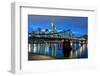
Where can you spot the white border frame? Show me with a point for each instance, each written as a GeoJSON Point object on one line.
{"type": "Point", "coordinates": [16, 38]}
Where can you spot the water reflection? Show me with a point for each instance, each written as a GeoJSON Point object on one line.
{"type": "Point", "coordinates": [55, 49]}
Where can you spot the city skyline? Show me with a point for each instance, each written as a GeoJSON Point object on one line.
{"type": "Point", "coordinates": [57, 37]}
{"type": "Point", "coordinates": [77, 25]}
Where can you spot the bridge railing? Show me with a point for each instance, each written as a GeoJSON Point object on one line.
{"type": "Point", "coordinates": [54, 35]}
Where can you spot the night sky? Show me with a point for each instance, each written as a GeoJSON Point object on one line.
{"type": "Point", "coordinates": [78, 25]}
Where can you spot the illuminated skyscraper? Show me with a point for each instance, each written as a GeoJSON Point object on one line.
{"type": "Point", "coordinates": [53, 27]}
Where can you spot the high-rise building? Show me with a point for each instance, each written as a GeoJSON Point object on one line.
{"type": "Point", "coordinates": [53, 27]}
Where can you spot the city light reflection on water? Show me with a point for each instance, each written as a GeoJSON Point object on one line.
{"type": "Point", "coordinates": [55, 50]}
